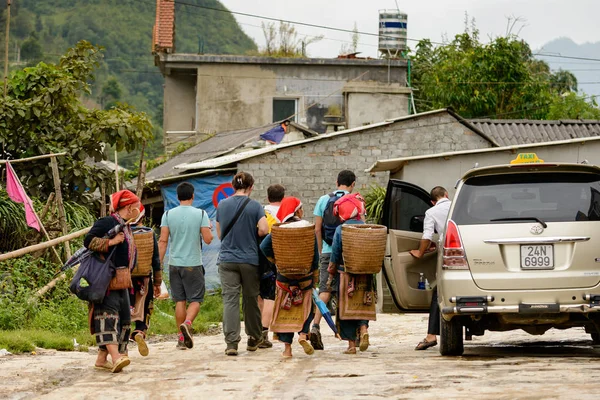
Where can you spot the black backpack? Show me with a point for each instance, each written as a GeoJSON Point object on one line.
{"type": "Point", "coordinates": [330, 221]}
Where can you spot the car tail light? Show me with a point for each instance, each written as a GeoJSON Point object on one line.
{"type": "Point", "coordinates": [453, 252]}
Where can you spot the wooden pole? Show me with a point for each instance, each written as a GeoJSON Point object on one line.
{"type": "Point", "coordinates": [47, 206]}
{"type": "Point", "coordinates": [59, 203]}
{"type": "Point", "coordinates": [52, 283]}
{"type": "Point", "coordinates": [142, 173]}
{"type": "Point", "coordinates": [44, 245]}
{"type": "Point", "coordinates": [6, 37]}
{"type": "Point", "coordinates": [116, 172]}
{"type": "Point", "coordinates": [103, 202]}
{"type": "Point", "coordinates": [47, 237]}
{"type": "Point", "coordinates": [32, 158]}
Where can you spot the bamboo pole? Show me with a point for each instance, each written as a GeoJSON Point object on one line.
{"type": "Point", "coordinates": [52, 283]}
{"type": "Point", "coordinates": [141, 180]}
{"type": "Point", "coordinates": [43, 245]}
{"type": "Point", "coordinates": [47, 206]}
{"type": "Point", "coordinates": [103, 201]}
{"type": "Point", "coordinates": [141, 173]}
{"type": "Point", "coordinates": [59, 202]}
{"type": "Point", "coordinates": [32, 158]}
{"type": "Point", "coordinates": [6, 37]}
{"type": "Point", "coordinates": [116, 172]}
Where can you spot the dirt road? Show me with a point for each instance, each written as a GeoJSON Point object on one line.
{"type": "Point", "coordinates": [558, 365]}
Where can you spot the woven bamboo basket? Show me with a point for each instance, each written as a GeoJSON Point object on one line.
{"type": "Point", "coordinates": [294, 249]}
{"type": "Point", "coordinates": [363, 248]}
{"type": "Point", "coordinates": [144, 242]}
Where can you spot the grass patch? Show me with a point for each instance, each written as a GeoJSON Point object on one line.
{"type": "Point", "coordinates": [52, 322]}
{"type": "Point", "coordinates": [26, 340]}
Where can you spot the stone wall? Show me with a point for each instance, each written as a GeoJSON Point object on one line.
{"type": "Point", "coordinates": [310, 170]}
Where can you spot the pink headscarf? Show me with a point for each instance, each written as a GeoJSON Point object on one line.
{"type": "Point", "coordinates": [350, 206]}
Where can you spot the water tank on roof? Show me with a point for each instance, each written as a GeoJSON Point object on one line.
{"type": "Point", "coordinates": [392, 32]}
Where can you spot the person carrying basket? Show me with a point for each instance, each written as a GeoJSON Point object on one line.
{"type": "Point", "coordinates": [356, 291]}
{"type": "Point", "coordinates": [292, 246]}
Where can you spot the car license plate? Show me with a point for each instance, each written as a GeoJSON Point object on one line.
{"type": "Point", "coordinates": [534, 256]}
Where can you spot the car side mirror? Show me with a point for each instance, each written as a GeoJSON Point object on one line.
{"type": "Point", "coordinates": [416, 223]}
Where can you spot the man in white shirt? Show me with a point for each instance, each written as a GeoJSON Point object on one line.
{"type": "Point", "coordinates": [435, 221]}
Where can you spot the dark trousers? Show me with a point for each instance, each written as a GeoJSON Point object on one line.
{"type": "Point", "coordinates": [236, 277]}
{"type": "Point", "coordinates": [433, 327]}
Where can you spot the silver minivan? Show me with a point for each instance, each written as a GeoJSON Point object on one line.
{"type": "Point", "coordinates": [521, 251]}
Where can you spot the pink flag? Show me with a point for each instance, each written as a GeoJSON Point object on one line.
{"type": "Point", "coordinates": [17, 193]}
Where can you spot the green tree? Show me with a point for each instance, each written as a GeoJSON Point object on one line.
{"type": "Point", "coordinates": [499, 79]}
{"type": "Point", "coordinates": [111, 93]}
{"type": "Point", "coordinates": [43, 113]}
{"type": "Point", "coordinates": [31, 49]}
{"type": "Point", "coordinates": [563, 81]}
{"type": "Point", "coordinates": [573, 106]}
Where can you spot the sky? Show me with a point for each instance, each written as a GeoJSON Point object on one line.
{"type": "Point", "coordinates": [542, 20]}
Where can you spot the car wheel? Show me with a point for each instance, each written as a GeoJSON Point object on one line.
{"type": "Point", "coordinates": [596, 338]}
{"type": "Point", "coordinates": [451, 337]}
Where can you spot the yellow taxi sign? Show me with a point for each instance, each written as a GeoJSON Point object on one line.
{"type": "Point", "coordinates": [527, 158]}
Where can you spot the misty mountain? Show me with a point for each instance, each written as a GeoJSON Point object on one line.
{"type": "Point", "coordinates": [586, 71]}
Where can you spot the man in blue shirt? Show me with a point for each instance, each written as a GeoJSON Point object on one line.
{"type": "Point", "coordinates": [185, 227]}
{"type": "Point", "coordinates": [325, 225]}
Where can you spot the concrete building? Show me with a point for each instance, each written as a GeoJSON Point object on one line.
{"type": "Point", "coordinates": [215, 93]}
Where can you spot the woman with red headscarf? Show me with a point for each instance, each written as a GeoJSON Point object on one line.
{"type": "Point", "coordinates": [111, 320]}
{"type": "Point", "coordinates": [292, 292]}
{"type": "Point", "coordinates": [350, 209]}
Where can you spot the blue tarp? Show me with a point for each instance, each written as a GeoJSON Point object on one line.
{"type": "Point", "coordinates": [274, 135]}
{"type": "Point", "coordinates": [208, 190]}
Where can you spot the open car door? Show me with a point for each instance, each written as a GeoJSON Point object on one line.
{"type": "Point", "coordinates": [403, 214]}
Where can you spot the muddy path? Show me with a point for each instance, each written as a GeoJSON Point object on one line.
{"type": "Point", "coordinates": [508, 365]}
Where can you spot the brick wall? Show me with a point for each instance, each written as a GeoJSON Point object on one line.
{"type": "Point", "coordinates": [310, 170]}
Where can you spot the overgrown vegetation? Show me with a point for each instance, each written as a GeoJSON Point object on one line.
{"type": "Point", "coordinates": [15, 233]}
{"type": "Point", "coordinates": [283, 41]}
{"type": "Point", "coordinates": [57, 318]}
{"type": "Point", "coordinates": [374, 200]}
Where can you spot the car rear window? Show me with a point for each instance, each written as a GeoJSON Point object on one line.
{"type": "Point", "coordinates": [551, 197]}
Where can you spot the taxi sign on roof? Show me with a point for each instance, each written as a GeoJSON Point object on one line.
{"type": "Point", "coordinates": [527, 158]}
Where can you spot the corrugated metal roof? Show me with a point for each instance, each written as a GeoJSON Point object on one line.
{"type": "Point", "coordinates": [217, 145]}
{"type": "Point", "coordinates": [520, 131]}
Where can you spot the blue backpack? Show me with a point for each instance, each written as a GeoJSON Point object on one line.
{"type": "Point", "coordinates": [330, 221]}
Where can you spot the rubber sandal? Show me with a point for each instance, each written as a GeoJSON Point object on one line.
{"type": "Point", "coordinates": [350, 351]}
{"type": "Point", "coordinates": [308, 348]}
{"type": "Point", "coordinates": [424, 344]}
{"type": "Point", "coordinates": [106, 366]}
{"type": "Point", "coordinates": [364, 342]}
{"type": "Point", "coordinates": [120, 364]}
{"type": "Point", "coordinates": [141, 343]}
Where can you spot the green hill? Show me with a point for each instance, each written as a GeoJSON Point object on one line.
{"type": "Point", "coordinates": [43, 30]}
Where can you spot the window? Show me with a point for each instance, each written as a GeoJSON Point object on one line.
{"type": "Point", "coordinates": [284, 109]}
{"type": "Point", "coordinates": [552, 197]}
{"type": "Point", "coordinates": [405, 208]}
